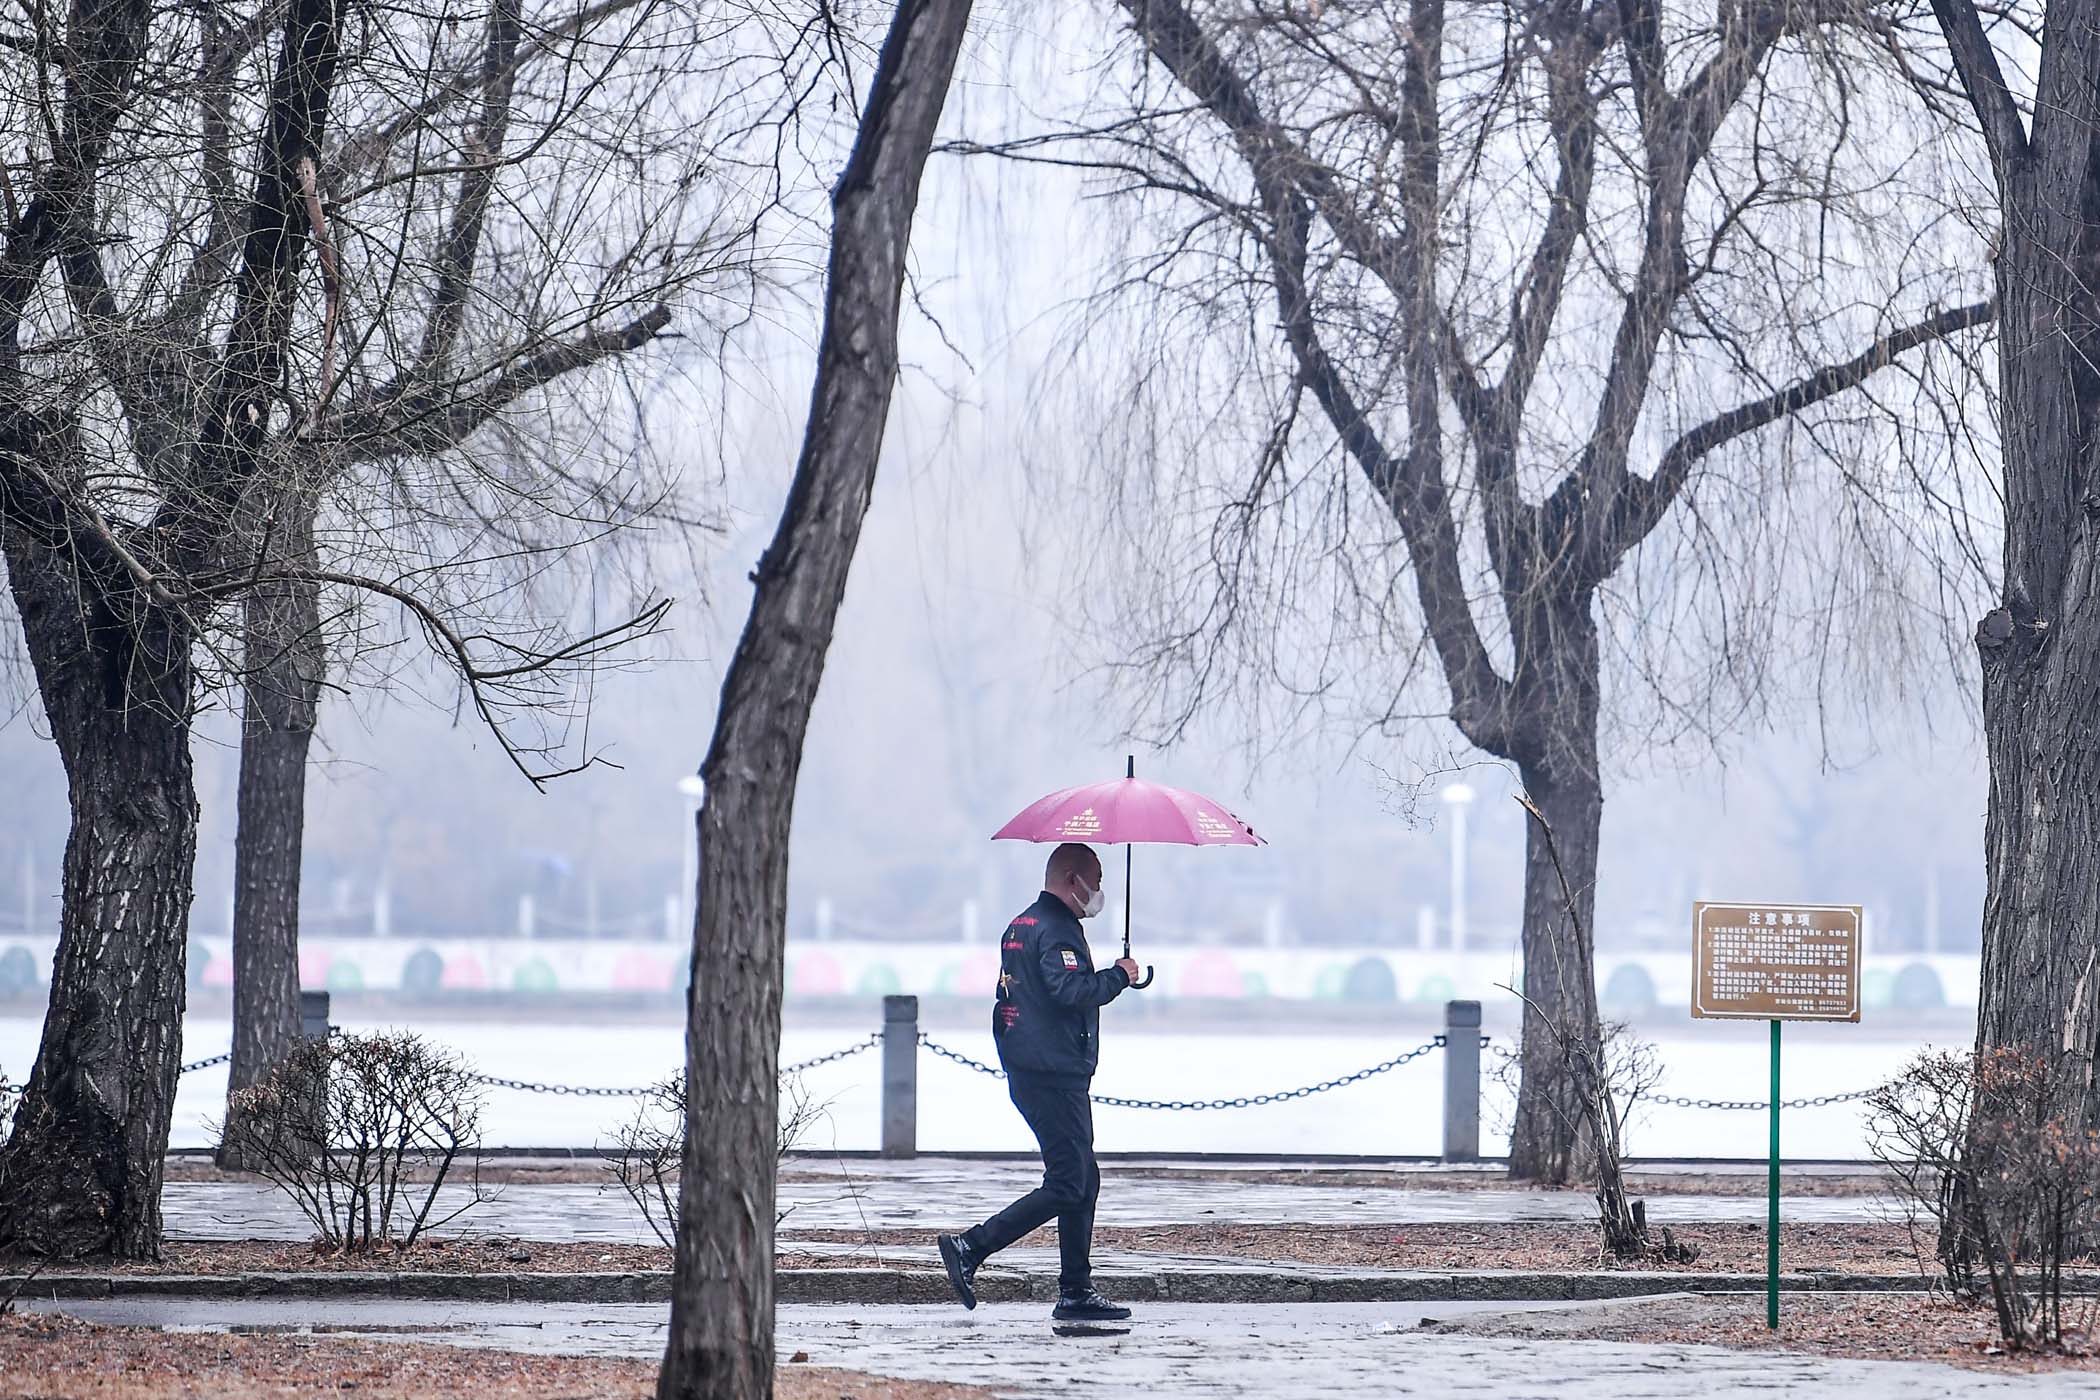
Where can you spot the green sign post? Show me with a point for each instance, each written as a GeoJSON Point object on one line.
{"type": "Point", "coordinates": [1772, 1201]}
{"type": "Point", "coordinates": [1777, 963]}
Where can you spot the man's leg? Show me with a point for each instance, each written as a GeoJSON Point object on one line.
{"type": "Point", "coordinates": [1075, 1223]}
{"type": "Point", "coordinates": [1065, 1166]}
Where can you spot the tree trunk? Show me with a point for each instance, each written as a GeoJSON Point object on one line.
{"type": "Point", "coordinates": [81, 1172]}
{"type": "Point", "coordinates": [721, 1337]}
{"type": "Point", "coordinates": [2040, 648]}
{"type": "Point", "coordinates": [284, 660]}
{"type": "Point", "coordinates": [1557, 707]}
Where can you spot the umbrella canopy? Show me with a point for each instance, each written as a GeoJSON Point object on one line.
{"type": "Point", "coordinates": [1129, 810]}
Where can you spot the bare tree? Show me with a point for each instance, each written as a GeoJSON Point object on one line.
{"type": "Point", "coordinates": [195, 413]}
{"type": "Point", "coordinates": [1475, 300]}
{"type": "Point", "coordinates": [2032, 74]}
{"type": "Point", "coordinates": [491, 328]}
{"type": "Point", "coordinates": [721, 1334]}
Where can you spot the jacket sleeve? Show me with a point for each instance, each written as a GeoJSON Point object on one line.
{"type": "Point", "coordinates": [1071, 986]}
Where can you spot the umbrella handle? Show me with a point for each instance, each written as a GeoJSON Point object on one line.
{"type": "Point", "coordinates": [1143, 982]}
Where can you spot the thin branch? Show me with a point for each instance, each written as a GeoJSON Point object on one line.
{"type": "Point", "coordinates": [2004, 133]}
{"type": "Point", "coordinates": [1649, 500]}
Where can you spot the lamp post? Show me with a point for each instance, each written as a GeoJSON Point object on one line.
{"type": "Point", "coordinates": [1458, 797]}
{"type": "Point", "coordinates": [694, 789]}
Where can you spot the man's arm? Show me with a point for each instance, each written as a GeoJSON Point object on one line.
{"type": "Point", "coordinates": [1069, 983]}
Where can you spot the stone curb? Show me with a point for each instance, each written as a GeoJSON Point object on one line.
{"type": "Point", "coordinates": [879, 1286]}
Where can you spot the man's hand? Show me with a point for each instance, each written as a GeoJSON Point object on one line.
{"type": "Point", "coordinates": [1130, 969]}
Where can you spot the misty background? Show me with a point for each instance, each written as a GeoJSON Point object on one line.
{"type": "Point", "coordinates": [972, 671]}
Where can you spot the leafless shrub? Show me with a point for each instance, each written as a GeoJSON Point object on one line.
{"type": "Point", "coordinates": [341, 1126]}
{"type": "Point", "coordinates": [1917, 1124]}
{"type": "Point", "coordinates": [1992, 1149]}
{"type": "Point", "coordinates": [647, 1149]}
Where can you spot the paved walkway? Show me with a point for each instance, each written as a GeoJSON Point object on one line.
{"type": "Point", "coordinates": [1212, 1353]}
{"type": "Point", "coordinates": [934, 1192]}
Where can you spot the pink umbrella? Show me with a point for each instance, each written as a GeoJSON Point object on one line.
{"type": "Point", "coordinates": [1125, 813]}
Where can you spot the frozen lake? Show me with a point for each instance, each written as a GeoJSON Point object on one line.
{"type": "Point", "coordinates": [1394, 1113]}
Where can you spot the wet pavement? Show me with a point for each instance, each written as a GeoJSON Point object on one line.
{"type": "Point", "coordinates": [1213, 1352]}
{"type": "Point", "coordinates": [931, 1192]}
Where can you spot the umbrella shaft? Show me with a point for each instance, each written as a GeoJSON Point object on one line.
{"type": "Point", "coordinates": [1127, 851]}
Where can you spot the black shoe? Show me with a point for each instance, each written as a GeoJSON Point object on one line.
{"type": "Point", "coordinates": [955, 1256]}
{"type": "Point", "coordinates": [1087, 1307]}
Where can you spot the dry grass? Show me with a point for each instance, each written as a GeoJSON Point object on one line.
{"type": "Point", "coordinates": [1867, 1248]}
{"type": "Point", "coordinates": [48, 1357]}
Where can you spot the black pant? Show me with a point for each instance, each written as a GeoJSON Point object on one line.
{"type": "Point", "coordinates": [1061, 1115]}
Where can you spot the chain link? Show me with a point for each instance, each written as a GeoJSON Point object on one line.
{"type": "Point", "coordinates": [581, 1091]}
{"type": "Point", "coordinates": [1755, 1105]}
{"type": "Point", "coordinates": [1196, 1105]}
{"type": "Point", "coordinates": [533, 1086]}
{"type": "Point", "coordinates": [1732, 1105]}
{"type": "Point", "coordinates": [869, 1044]}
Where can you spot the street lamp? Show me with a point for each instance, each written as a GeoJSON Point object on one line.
{"type": "Point", "coordinates": [694, 789]}
{"type": "Point", "coordinates": [1458, 797]}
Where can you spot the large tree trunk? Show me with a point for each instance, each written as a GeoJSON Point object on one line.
{"type": "Point", "coordinates": [81, 1172]}
{"type": "Point", "coordinates": [1558, 690]}
{"type": "Point", "coordinates": [721, 1336]}
{"type": "Point", "coordinates": [284, 660]}
{"type": "Point", "coordinates": [2041, 647]}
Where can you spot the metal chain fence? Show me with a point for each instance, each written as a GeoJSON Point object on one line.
{"type": "Point", "coordinates": [869, 1044]}
{"type": "Point", "coordinates": [1733, 1105]}
{"type": "Point", "coordinates": [586, 1091]}
{"type": "Point", "coordinates": [1197, 1105]}
{"type": "Point", "coordinates": [533, 1086]}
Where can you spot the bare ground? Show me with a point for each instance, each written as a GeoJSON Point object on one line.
{"type": "Point", "coordinates": [49, 1357]}
{"type": "Point", "coordinates": [1875, 1326]}
{"type": "Point", "coordinates": [1865, 1180]}
{"type": "Point", "coordinates": [1870, 1248]}
{"type": "Point", "coordinates": [592, 1171]}
{"type": "Point", "coordinates": [1736, 1248]}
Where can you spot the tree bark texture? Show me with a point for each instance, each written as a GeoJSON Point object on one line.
{"type": "Point", "coordinates": [2040, 648]}
{"type": "Point", "coordinates": [720, 1345]}
{"type": "Point", "coordinates": [81, 1172]}
{"type": "Point", "coordinates": [285, 662]}
{"type": "Point", "coordinates": [1556, 700]}
{"type": "Point", "coordinates": [110, 622]}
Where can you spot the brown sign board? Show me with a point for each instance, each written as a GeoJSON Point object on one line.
{"type": "Point", "coordinates": [1775, 962]}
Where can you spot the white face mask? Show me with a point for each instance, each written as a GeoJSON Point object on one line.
{"type": "Point", "coordinates": [1094, 904]}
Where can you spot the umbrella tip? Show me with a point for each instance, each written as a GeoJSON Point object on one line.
{"type": "Point", "coordinates": [1130, 766]}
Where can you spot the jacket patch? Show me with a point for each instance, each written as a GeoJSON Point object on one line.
{"type": "Point", "coordinates": [1071, 958]}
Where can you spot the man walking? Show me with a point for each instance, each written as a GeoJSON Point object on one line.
{"type": "Point", "coordinates": [1046, 1021]}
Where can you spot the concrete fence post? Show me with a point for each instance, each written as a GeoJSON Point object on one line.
{"type": "Point", "coordinates": [313, 1015]}
{"type": "Point", "coordinates": [1461, 1081]}
{"type": "Point", "coordinates": [900, 1076]}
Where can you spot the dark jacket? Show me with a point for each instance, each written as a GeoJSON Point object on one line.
{"type": "Point", "coordinates": [1047, 1019]}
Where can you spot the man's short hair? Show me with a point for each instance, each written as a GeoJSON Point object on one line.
{"type": "Point", "coordinates": [1071, 858]}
